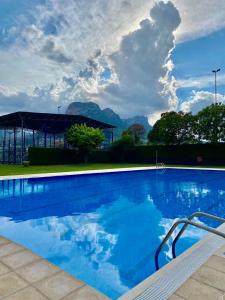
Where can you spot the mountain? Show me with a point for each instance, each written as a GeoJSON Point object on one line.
{"type": "Point", "coordinates": [107, 115]}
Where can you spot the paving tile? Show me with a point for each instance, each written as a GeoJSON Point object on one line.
{"type": "Point", "coordinates": [28, 293]}
{"type": "Point", "coordinates": [221, 252]}
{"type": "Point", "coordinates": [9, 249]}
{"type": "Point", "coordinates": [10, 283]}
{"type": "Point", "coordinates": [37, 271]}
{"type": "Point", "coordinates": [86, 293]}
{"type": "Point", "coordinates": [4, 241]}
{"type": "Point", "coordinates": [3, 269]}
{"type": "Point", "coordinates": [211, 277]}
{"type": "Point", "coordinates": [58, 286]}
{"type": "Point", "coordinates": [175, 297]}
{"type": "Point", "coordinates": [216, 262]}
{"type": "Point", "coordinates": [194, 290]}
{"type": "Point", "coordinates": [19, 259]}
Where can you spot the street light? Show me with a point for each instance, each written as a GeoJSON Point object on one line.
{"type": "Point", "coordinates": [215, 72]}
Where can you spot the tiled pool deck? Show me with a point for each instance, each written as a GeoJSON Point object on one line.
{"type": "Point", "coordinates": [26, 276]}
{"type": "Point", "coordinates": [207, 283]}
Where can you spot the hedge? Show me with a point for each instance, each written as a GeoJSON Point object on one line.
{"type": "Point", "coordinates": [199, 154]}
{"type": "Point", "coordinates": [52, 156]}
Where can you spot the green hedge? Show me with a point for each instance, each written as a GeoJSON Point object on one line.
{"type": "Point", "coordinates": [211, 154]}
{"type": "Point", "coordinates": [51, 156]}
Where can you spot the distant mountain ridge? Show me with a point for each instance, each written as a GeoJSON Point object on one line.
{"type": "Point", "coordinates": [107, 115]}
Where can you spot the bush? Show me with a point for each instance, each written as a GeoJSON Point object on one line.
{"type": "Point", "coordinates": [53, 156]}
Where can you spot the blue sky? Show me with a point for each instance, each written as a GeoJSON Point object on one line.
{"type": "Point", "coordinates": [138, 57]}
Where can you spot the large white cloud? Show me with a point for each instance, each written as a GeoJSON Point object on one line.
{"type": "Point", "coordinates": [143, 66]}
{"type": "Point", "coordinates": [199, 100]}
{"type": "Point", "coordinates": [50, 54]}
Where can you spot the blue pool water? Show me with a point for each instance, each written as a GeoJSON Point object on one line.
{"type": "Point", "coordinates": [105, 228]}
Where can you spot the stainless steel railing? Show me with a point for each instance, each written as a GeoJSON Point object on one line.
{"type": "Point", "coordinates": [187, 222]}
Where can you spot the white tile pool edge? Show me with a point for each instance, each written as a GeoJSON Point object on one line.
{"type": "Point", "coordinates": [56, 174]}
{"type": "Point", "coordinates": [114, 170]}
{"type": "Point", "coordinates": [164, 283]}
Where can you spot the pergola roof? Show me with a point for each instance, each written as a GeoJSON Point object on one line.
{"type": "Point", "coordinates": [46, 122]}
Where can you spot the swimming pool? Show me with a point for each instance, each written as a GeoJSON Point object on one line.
{"type": "Point", "coordinates": [104, 228]}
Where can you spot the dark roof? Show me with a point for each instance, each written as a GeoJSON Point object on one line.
{"type": "Point", "coordinates": [50, 123]}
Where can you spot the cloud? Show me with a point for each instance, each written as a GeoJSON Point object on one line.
{"type": "Point", "coordinates": [199, 100]}
{"type": "Point", "coordinates": [199, 18]}
{"type": "Point", "coordinates": [200, 82]}
{"type": "Point", "coordinates": [143, 64]}
{"type": "Point", "coordinates": [55, 44]}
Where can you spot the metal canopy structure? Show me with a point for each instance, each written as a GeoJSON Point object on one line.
{"type": "Point", "coordinates": [49, 123]}
{"type": "Point", "coordinates": [24, 129]}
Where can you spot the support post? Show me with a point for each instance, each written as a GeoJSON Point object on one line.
{"type": "Point", "coordinates": [14, 145]}
{"type": "Point", "coordinates": [22, 142]}
{"type": "Point", "coordinates": [9, 149]}
{"type": "Point", "coordinates": [45, 139]}
{"type": "Point", "coordinates": [33, 139]}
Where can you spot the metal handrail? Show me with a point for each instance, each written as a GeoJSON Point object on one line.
{"type": "Point", "coordinates": [188, 222]}
{"type": "Point", "coordinates": [196, 214]}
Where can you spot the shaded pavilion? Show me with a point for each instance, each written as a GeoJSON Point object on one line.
{"type": "Point", "coordinates": [20, 130]}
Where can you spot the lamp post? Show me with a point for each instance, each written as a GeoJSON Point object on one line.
{"type": "Point", "coordinates": [215, 73]}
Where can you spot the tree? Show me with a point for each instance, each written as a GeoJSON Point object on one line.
{"type": "Point", "coordinates": [210, 124]}
{"type": "Point", "coordinates": [137, 131]}
{"type": "Point", "coordinates": [85, 139]}
{"type": "Point", "coordinates": [122, 146]}
{"type": "Point", "coordinates": [173, 129]}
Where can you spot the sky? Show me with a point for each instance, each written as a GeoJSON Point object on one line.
{"type": "Point", "coordinates": [138, 57]}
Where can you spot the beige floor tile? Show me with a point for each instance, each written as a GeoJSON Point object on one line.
{"type": "Point", "coordinates": [58, 286]}
{"type": "Point", "coordinates": [9, 249]}
{"type": "Point", "coordinates": [216, 262]}
{"type": "Point", "coordinates": [3, 269]}
{"type": "Point", "coordinates": [86, 293]}
{"type": "Point", "coordinates": [19, 259]}
{"type": "Point", "coordinates": [175, 297]}
{"type": "Point", "coordinates": [211, 277]}
{"type": "Point", "coordinates": [28, 293]}
{"type": "Point", "coordinates": [37, 271]}
{"type": "Point", "coordinates": [194, 290]}
{"type": "Point", "coordinates": [4, 241]}
{"type": "Point", "coordinates": [10, 283]}
{"type": "Point", "coordinates": [221, 252]}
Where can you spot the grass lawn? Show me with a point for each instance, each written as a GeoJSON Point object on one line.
{"type": "Point", "coordinates": [19, 170]}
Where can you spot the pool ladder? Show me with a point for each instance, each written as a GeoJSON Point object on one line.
{"type": "Point", "coordinates": [187, 222]}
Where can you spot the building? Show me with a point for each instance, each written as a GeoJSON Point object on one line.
{"type": "Point", "coordinates": [21, 130]}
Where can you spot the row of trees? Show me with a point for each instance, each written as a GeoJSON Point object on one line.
{"type": "Point", "coordinates": [174, 128]}
{"type": "Point", "coordinates": [208, 126]}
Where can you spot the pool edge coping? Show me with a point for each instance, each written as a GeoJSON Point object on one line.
{"type": "Point", "coordinates": [102, 171]}
{"type": "Point", "coordinates": [74, 173]}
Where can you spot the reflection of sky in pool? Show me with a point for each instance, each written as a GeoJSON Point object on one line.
{"type": "Point", "coordinates": [105, 228]}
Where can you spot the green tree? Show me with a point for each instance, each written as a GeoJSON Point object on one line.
{"type": "Point", "coordinates": [173, 129]}
{"type": "Point", "coordinates": [210, 124]}
{"type": "Point", "coordinates": [137, 131]}
{"type": "Point", "coordinates": [122, 146]}
{"type": "Point", "coordinates": [85, 139]}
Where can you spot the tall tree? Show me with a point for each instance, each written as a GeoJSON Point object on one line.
{"type": "Point", "coordinates": [173, 129]}
{"type": "Point", "coordinates": [84, 138]}
{"type": "Point", "coordinates": [137, 131]}
{"type": "Point", "coordinates": [210, 124]}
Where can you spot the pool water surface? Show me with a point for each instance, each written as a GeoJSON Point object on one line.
{"type": "Point", "coordinates": [104, 228]}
